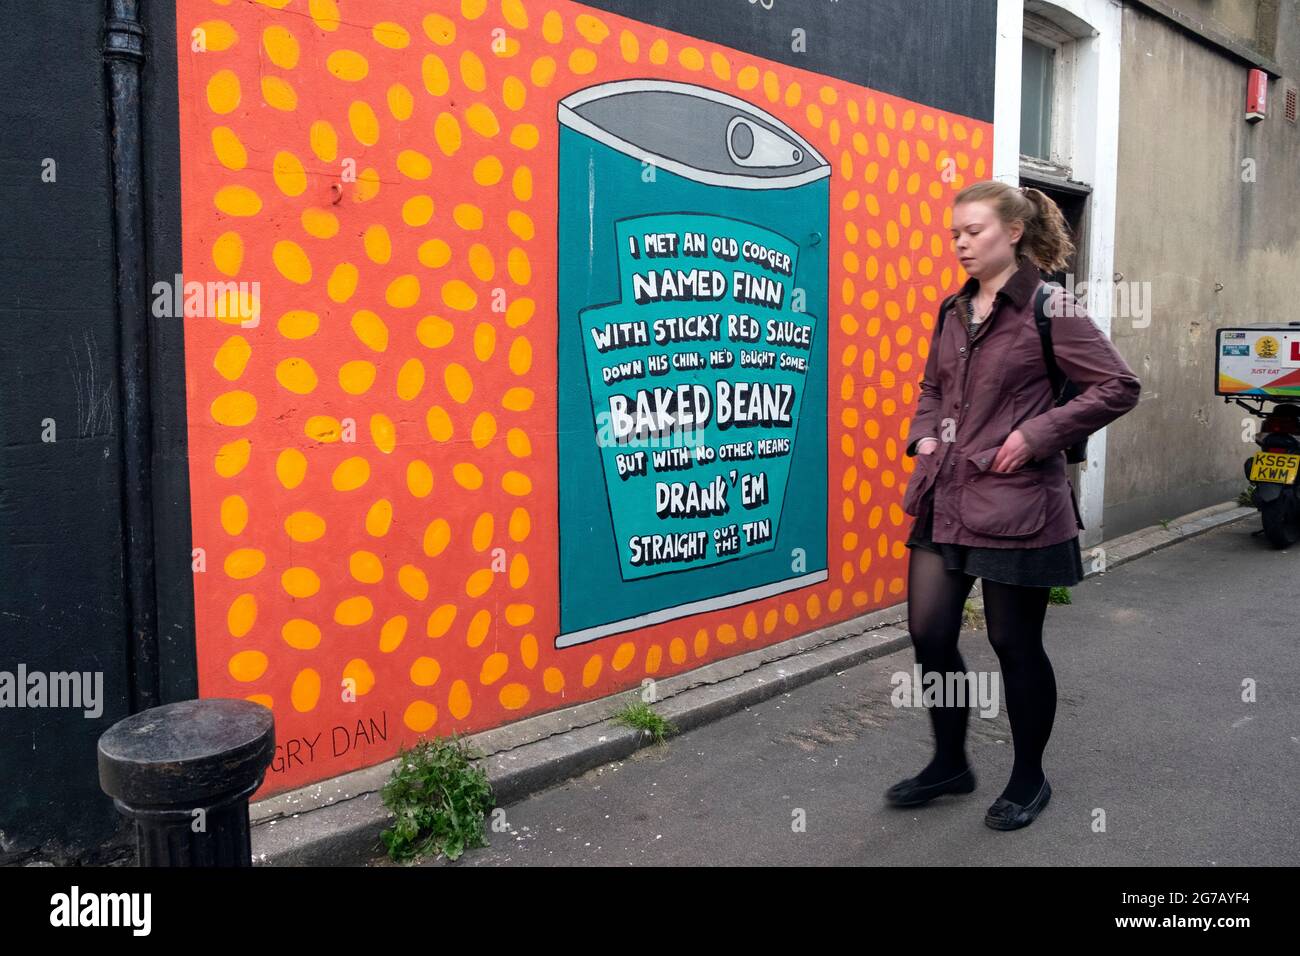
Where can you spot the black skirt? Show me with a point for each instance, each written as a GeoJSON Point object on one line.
{"type": "Point", "coordinates": [1056, 565]}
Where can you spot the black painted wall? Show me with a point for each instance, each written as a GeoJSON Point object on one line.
{"type": "Point", "coordinates": [937, 52]}
{"type": "Point", "coordinates": [62, 606]}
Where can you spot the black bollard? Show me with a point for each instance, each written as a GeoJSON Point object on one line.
{"type": "Point", "coordinates": [183, 773]}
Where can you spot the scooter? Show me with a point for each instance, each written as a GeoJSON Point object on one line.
{"type": "Point", "coordinates": [1274, 469]}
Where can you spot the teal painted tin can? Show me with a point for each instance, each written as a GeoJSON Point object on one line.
{"type": "Point", "coordinates": [692, 300]}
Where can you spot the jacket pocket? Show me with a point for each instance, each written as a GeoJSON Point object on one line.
{"type": "Point", "coordinates": [920, 482]}
{"type": "Point", "coordinates": [1003, 504]}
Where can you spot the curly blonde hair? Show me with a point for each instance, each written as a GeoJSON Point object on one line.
{"type": "Point", "coordinates": [1046, 239]}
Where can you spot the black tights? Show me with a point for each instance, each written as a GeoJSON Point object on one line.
{"type": "Point", "coordinates": [1014, 615]}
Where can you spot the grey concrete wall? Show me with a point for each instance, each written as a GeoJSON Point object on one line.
{"type": "Point", "coordinates": [1186, 224]}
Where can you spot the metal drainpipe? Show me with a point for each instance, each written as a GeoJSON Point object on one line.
{"type": "Point", "coordinates": [124, 59]}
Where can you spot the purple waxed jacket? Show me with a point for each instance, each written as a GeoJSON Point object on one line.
{"type": "Point", "coordinates": [976, 392]}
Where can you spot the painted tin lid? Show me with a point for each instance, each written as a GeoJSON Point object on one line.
{"type": "Point", "coordinates": [694, 132]}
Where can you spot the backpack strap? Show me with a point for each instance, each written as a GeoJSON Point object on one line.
{"type": "Point", "coordinates": [1054, 373]}
{"type": "Point", "coordinates": [943, 308]}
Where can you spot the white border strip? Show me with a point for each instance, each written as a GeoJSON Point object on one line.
{"type": "Point", "coordinates": [571, 119]}
{"type": "Point", "coordinates": [685, 610]}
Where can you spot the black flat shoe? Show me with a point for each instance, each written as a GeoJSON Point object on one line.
{"type": "Point", "coordinates": [911, 793]}
{"type": "Point", "coordinates": [1005, 815]}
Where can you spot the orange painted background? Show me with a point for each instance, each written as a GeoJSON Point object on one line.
{"type": "Point", "coordinates": [373, 463]}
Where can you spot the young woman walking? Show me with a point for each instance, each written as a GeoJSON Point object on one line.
{"type": "Point", "coordinates": [990, 492]}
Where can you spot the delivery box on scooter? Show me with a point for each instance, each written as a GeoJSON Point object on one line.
{"type": "Point", "coordinates": [1261, 361]}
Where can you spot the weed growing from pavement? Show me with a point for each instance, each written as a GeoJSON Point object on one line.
{"type": "Point", "coordinates": [639, 715]}
{"type": "Point", "coordinates": [439, 798]}
{"type": "Point", "coordinates": [1059, 596]}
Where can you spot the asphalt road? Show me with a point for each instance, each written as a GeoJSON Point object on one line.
{"type": "Point", "coordinates": [1152, 737]}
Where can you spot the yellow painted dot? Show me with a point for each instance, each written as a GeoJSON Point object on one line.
{"type": "Point", "coordinates": [582, 61]}
{"type": "Point", "coordinates": [459, 295]}
{"type": "Point", "coordinates": [514, 696]}
{"type": "Point", "coordinates": [392, 634]}
{"type": "Point", "coordinates": [370, 329]}
{"type": "Point", "coordinates": [234, 408]}
{"type": "Point", "coordinates": [518, 266]}
{"type": "Point", "coordinates": [366, 567]}
{"type": "Point", "coordinates": [440, 29]}
{"type": "Point", "coordinates": [244, 563]}
{"type": "Point", "coordinates": [324, 141]}
{"type": "Point", "coordinates": [467, 476]}
{"type": "Point", "coordinates": [518, 399]}
{"type": "Point", "coordinates": [401, 102]}
{"type": "Point", "coordinates": [494, 668]}
{"type": "Point", "coordinates": [281, 47]}
{"type": "Point", "coordinates": [482, 120]}
{"type": "Point", "coordinates": [305, 692]}
{"type": "Point", "coordinates": [659, 52]}
{"type": "Point", "coordinates": [300, 582]}
{"type": "Point", "coordinates": [440, 620]}
{"type": "Point", "coordinates": [522, 184]}
{"type": "Point", "coordinates": [436, 537]}
{"type": "Point", "coordinates": [483, 430]}
{"type": "Point", "coordinates": [223, 92]}
{"type": "Point", "coordinates": [446, 133]}
{"type": "Point", "coordinates": [434, 332]}
{"type": "Point", "coordinates": [413, 164]}
{"type": "Point", "coordinates": [417, 211]}
{"type": "Point", "coordinates": [481, 537]}
{"type": "Point", "coordinates": [351, 474]}
{"type": "Point", "coordinates": [296, 375]}
{"type": "Point", "coordinates": [434, 254]}
{"type": "Point", "coordinates": [520, 224]}
{"type": "Point", "coordinates": [518, 615]}
{"type": "Point", "coordinates": [410, 379]}
{"type": "Point", "coordinates": [488, 171]}
{"type": "Point", "coordinates": [542, 71]}
{"type": "Point", "coordinates": [518, 571]}
{"type": "Point", "coordinates": [242, 615]}
{"type": "Point", "coordinates": [348, 65]}
{"type": "Point", "coordinates": [518, 444]}
{"type": "Point", "coordinates": [291, 261]}
{"type": "Point", "coordinates": [232, 358]}
{"type": "Point", "coordinates": [382, 430]}
{"type": "Point", "coordinates": [300, 634]}
{"type": "Point", "coordinates": [479, 582]}
{"type": "Point", "coordinates": [516, 483]}
{"type": "Point", "coordinates": [230, 151]}
{"type": "Point", "coordinates": [353, 611]}
{"type": "Point", "coordinates": [392, 35]}
{"type": "Point", "coordinates": [403, 292]}
{"type": "Point", "coordinates": [342, 282]}
{"type": "Point", "coordinates": [553, 680]}
{"type": "Point", "coordinates": [279, 94]}
{"type": "Point", "coordinates": [234, 514]}
{"type": "Point", "coordinates": [378, 244]}
{"type": "Point", "coordinates": [468, 216]}
{"type": "Point", "coordinates": [478, 628]}
{"type": "Point", "coordinates": [691, 58]}
{"type": "Point", "coordinates": [521, 356]}
{"type": "Point", "coordinates": [472, 73]}
{"type": "Point", "coordinates": [513, 93]}
{"type": "Point", "coordinates": [520, 524]}
{"type": "Point", "coordinates": [434, 73]}
{"type": "Point", "coordinates": [459, 384]}
{"type": "Point", "coordinates": [413, 581]}
{"type": "Point", "coordinates": [291, 468]}
{"type": "Point", "coordinates": [439, 424]}
{"type": "Point", "coordinates": [304, 526]}
{"type": "Point", "coordinates": [233, 457]}
{"type": "Point", "coordinates": [419, 479]}
{"type": "Point", "coordinates": [363, 122]}
{"type": "Point", "coordinates": [459, 701]}
{"type": "Point", "coordinates": [359, 676]}
{"type": "Point", "coordinates": [519, 312]}
{"type": "Point", "coordinates": [323, 428]}
{"type": "Point", "coordinates": [238, 201]}
{"type": "Point", "coordinates": [248, 665]}
{"type": "Point", "coordinates": [628, 46]}
{"type": "Point", "coordinates": [379, 518]}
{"type": "Point", "coordinates": [420, 715]}
{"type": "Point", "coordinates": [425, 672]}
{"type": "Point", "coordinates": [319, 223]}
{"type": "Point", "coordinates": [591, 670]}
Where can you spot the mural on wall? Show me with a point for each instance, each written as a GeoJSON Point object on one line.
{"type": "Point", "coordinates": [686, 389]}
{"type": "Point", "coordinates": [579, 352]}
